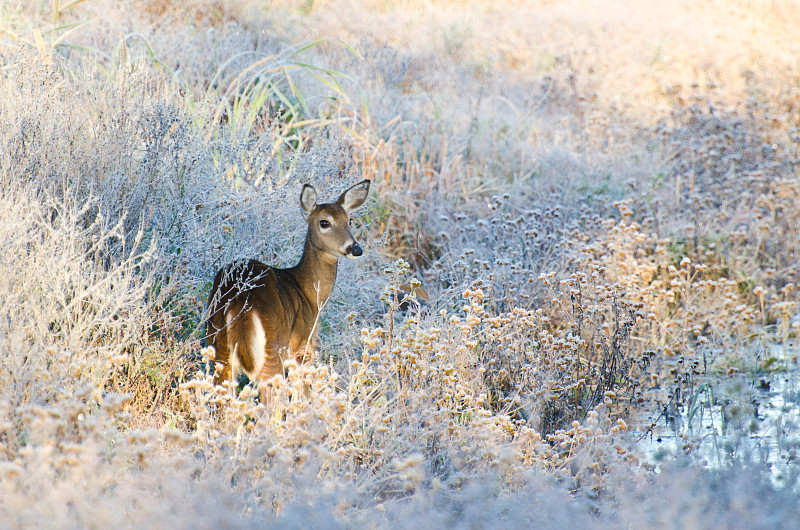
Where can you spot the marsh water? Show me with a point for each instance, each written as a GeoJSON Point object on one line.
{"type": "Point", "coordinates": [753, 419]}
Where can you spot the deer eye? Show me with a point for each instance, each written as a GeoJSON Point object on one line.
{"type": "Point", "coordinates": [324, 224]}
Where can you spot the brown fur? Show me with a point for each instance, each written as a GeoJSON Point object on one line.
{"type": "Point", "coordinates": [253, 304]}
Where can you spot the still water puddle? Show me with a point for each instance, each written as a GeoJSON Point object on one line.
{"type": "Point", "coordinates": [732, 420]}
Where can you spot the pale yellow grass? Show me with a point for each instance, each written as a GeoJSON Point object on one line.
{"type": "Point", "coordinates": [632, 52]}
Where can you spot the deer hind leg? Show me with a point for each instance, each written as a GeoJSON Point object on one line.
{"type": "Point", "coordinates": [306, 351]}
{"type": "Point", "coordinates": [272, 366]}
{"type": "Point", "coordinates": [218, 338]}
{"type": "Point", "coordinates": [257, 348]}
{"type": "Point", "coordinates": [246, 343]}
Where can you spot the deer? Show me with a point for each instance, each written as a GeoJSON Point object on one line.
{"type": "Point", "coordinates": [261, 316]}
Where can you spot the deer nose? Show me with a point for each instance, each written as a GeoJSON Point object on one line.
{"type": "Point", "coordinates": [355, 250]}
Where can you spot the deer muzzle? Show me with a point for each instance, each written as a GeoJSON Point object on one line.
{"type": "Point", "coordinates": [355, 250]}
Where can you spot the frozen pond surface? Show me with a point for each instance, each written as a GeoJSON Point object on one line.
{"type": "Point", "coordinates": [754, 419]}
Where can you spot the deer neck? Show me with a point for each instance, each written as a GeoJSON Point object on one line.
{"type": "Point", "coordinates": [315, 273]}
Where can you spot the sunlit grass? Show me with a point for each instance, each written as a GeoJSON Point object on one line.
{"type": "Point", "coordinates": [599, 203]}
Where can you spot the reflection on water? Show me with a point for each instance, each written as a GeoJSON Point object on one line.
{"type": "Point", "coordinates": [728, 420]}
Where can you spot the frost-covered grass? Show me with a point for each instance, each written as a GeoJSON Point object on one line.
{"type": "Point", "coordinates": [583, 216]}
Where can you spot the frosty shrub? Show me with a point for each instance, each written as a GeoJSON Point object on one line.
{"type": "Point", "coordinates": [583, 224]}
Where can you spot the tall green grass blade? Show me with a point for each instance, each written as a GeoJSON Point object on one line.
{"type": "Point", "coordinates": [70, 31]}
{"type": "Point", "coordinates": [331, 80]}
{"type": "Point", "coordinates": [151, 53]}
{"type": "Point", "coordinates": [693, 406]}
{"type": "Point", "coordinates": [295, 91]}
{"type": "Point", "coordinates": [87, 52]}
{"type": "Point", "coordinates": [323, 40]}
{"type": "Point", "coordinates": [55, 12]}
{"type": "Point", "coordinates": [63, 27]}
{"type": "Point", "coordinates": [14, 35]}
{"type": "Point", "coordinates": [40, 45]}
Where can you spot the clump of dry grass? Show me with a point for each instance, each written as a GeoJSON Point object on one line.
{"type": "Point", "coordinates": [73, 297]}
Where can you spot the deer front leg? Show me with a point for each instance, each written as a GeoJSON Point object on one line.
{"type": "Point", "coordinates": [273, 365]}
{"type": "Point", "coordinates": [306, 354]}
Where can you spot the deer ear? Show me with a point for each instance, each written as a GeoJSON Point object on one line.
{"type": "Point", "coordinates": [354, 196]}
{"type": "Point", "coordinates": [308, 199]}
